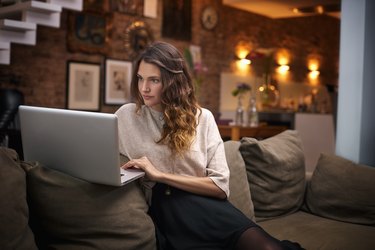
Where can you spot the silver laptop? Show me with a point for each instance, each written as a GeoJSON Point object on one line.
{"type": "Point", "coordinates": [79, 143]}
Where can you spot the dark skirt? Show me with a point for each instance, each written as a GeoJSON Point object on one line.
{"type": "Point", "coordinates": [187, 221]}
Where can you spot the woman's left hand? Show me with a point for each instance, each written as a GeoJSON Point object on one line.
{"type": "Point", "coordinates": [144, 163]}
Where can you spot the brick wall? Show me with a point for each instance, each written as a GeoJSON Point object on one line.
{"type": "Point", "coordinates": [42, 68]}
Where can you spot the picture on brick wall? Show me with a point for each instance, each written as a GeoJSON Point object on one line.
{"type": "Point", "coordinates": [117, 81]}
{"type": "Point", "coordinates": [131, 7]}
{"type": "Point", "coordinates": [88, 32]}
{"type": "Point", "coordinates": [177, 19]}
{"type": "Point", "coordinates": [83, 86]}
{"type": "Point", "coordinates": [100, 6]}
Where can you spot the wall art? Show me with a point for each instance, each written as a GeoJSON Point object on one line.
{"type": "Point", "coordinates": [117, 81]}
{"type": "Point", "coordinates": [83, 86]}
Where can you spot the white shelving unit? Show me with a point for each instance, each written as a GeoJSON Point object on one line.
{"type": "Point", "coordinates": [19, 21]}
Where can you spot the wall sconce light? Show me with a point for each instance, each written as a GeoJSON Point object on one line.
{"type": "Point", "coordinates": [245, 61]}
{"type": "Point", "coordinates": [242, 56]}
{"type": "Point", "coordinates": [283, 69]}
{"type": "Point", "coordinates": [313, 74]}
{"type": "Point", "coordinates": [282, 60]}
{"type": "Point", "coordinates": [313, 67]}
{"type": "Point", "coordinates": [242, 61]}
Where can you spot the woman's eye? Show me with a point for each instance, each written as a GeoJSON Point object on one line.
{"type": "Point", "coordinates": [155, 80]}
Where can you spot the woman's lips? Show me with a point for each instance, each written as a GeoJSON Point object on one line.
{"type": "Point", "coordinates": [147, 97]}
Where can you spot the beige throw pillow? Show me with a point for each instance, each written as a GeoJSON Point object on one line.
{"type": "Point", "coordinates": [76, 214]}
{"type": "Point", "coordinates": [342, 190]}
{"type": "Point", "coordinates": [276, 173]}
{"type": "Point", "coordinates": [239, 188]}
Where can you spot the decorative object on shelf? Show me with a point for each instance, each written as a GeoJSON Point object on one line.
{"type": "Point", "coordinates": [137, 37]}
{"type": "Point", "coordinates": [239, 92]}
{"type": "Point", "coordinates": [209, 17]}
{"type": "Point", "coordinates": [252, 113]}
{"type": "Point", "coordinates": [268, 94]}
{"type": "Point", "coordinates": [197, 68]}
{"type": "Point", "coordinates": [83, 86]}
{"type": "Point", "coordinates": [117, 81]}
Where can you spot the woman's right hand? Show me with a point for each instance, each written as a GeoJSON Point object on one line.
{"type": "Point", "coordinates": [144, 163]}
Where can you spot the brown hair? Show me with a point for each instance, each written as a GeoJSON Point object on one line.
{"type": "Point", "coordinates": [178, 100]}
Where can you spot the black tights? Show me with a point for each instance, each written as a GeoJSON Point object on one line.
{"type": "Point", "coordinates": [256, 238]}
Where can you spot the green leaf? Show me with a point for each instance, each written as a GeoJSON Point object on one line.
{"type": "Point", "coordinates": [188, 58]}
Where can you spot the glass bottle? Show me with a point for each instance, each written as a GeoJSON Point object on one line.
{"type": "Point", "coordinates": [253, 118]}
{"type": "Point", "coordinates": [269, 94]}
{"type": "Point", "coordinates": [239, 112]}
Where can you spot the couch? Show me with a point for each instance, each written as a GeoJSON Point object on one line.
{"type": "Point", "coordinates": [333, 209]}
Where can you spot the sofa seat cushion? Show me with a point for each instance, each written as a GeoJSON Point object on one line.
{"type": "Point", "coordinates": [276, 173]}
{"type": "Point", "coordinates": [75, 214]}
{"type": "Point", "coordinates": [342, 190]}
{"type": "Point", "coordinates": [239, 188]}
{"type": "Point", "coordinates": [15, 232]}
{"type": "Point", "coordinates": [314, 232]}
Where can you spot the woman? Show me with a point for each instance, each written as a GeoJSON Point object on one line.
{"type": "Point", "coordinates": [178, 145]}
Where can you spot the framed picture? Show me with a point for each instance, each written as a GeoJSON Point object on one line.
{"type": "Point", "coordinates": [83, 86]}
{"type": "Point", "coordinates": [177, 19]}
{"type": "Point", "coordinates": [88, 32]}
{"type": "Point", "coordinates": [99, 6]}
{"type": "Point", "coordinates": [117, 81]}
{"type": "Point", "coordinates": [131, 7]}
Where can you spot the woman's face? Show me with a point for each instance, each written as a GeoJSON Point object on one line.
{"type": "Point", "coordinates": [149, 85]}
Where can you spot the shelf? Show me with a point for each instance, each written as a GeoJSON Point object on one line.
{"type": "Point", "coordinates": [68, 4]}
{"type": "Point", "coordinates": [12, 31]}
{"type": "Point", "coordinates": [36, 6]}
{"type": "Point", "coordinates": [4, 46]}
{"type": "Point", "coordinates": [41, 13]}
{"type": "Point", "coordinates": [4, 53]}
{"type": "Point", "coordinates": [13, 25]}
{"type": "Point", "coordinates": [18, 21]}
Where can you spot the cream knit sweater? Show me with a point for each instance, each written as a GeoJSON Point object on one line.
{"type": "Point", "coordinates": [138, 133]}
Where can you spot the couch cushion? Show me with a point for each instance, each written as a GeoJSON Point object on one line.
{"type": "Point", "coordinates": [342, 190]}
{"type": "Point", "coordinates": [276, 173]}
{"type": "Point", "coordinates": [76, 214]}
{"type": "Point", "coordinates": [239, 188]}
{"type": "Point", "coordinates": [14, 217]}
{"type": "Point", "coordinates": [315, 232]}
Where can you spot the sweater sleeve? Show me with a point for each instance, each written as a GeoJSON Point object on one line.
{"type": "Point", "coordinates": [217, 167]}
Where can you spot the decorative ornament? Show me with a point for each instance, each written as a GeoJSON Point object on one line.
{"type": "Point", "coordinates": [137, 37]}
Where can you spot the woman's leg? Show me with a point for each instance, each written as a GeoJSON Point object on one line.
{"type": "Point", "coordinates": [257, 238]}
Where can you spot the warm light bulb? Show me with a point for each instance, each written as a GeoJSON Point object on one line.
{"type": "Point", "coordinates": [242, 53]}
{"type": "Point", "coordinates": [313, 64]}
{"type": "Point", "coordinates": [314, 74]}
{"type": "Point", "coordinates": [245, 61]}
{"type": "Point", "coordinates": [243, 65]}
{"type": "Point", "coordinates": [320, 9]}
{"type": "Point", "coordinates": [283, 69]}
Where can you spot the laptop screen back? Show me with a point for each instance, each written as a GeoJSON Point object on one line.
{"type": "Point", "coordinates": [79, 143]}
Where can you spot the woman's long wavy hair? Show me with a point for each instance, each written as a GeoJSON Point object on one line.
{"type": "Point", "coordinates": [178, 101]}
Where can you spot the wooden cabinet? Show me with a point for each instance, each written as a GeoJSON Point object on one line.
{"type": "Point", "coordinates": [232, 132]}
